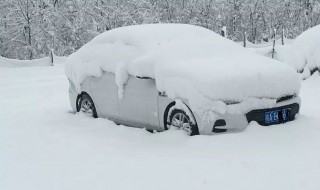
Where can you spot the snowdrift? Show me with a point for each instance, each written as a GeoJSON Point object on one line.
{"type": "Point", "coordinates": [46, 61]}
{"type": "Point", "coordinates": [186, 61]}
{"type": "Point", "coordinates": [305, 52]}
{"type": "Point", "coordinates": [281, 51]}
{"type": "Point", "coordinates": [269, 44]}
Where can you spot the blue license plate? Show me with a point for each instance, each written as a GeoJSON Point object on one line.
{"type": "Point", "coordinates": [276, 116]}
{"type": "Point", "coordinates": [285, 115]}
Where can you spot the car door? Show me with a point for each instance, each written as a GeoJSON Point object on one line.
{"type": "Point", "coordinates": [105, 94]}
{"type": "Point", "coordinates": [139, 105]}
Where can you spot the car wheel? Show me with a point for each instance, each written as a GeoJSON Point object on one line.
{"type": "Point", "coordinates": [86, 106]}
{"type": "Point", "coordinates": [179, 119]}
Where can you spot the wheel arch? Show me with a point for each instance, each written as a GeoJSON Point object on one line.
{"type": "Point", "coordinates": [79, 98]}
{"type": "Point", "coordinates": [78, 102]}
{"type": "Point", "coordinates": [166, 114]}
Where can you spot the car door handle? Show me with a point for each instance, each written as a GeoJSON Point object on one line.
{"type": "Point", "coordinates": [162, 94]}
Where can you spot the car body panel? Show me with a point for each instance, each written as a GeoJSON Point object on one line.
{"type": "Point", "coordinates": [236, 122]}
{"type": "Point", "coordinates": [139, 102]}
{"type": "Point", "coordinates": [105, 95]}
{"type": "Point", "coordinates": [73, 93]}
{"type": "Point", "coordinates": [163, 103]}
{"type": "Point", "coordinates": [143, 106]}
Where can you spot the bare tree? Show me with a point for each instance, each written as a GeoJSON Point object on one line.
{"type": "Point", "coordinates": [31, 28]}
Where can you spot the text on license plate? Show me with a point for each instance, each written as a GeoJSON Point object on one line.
{"type": "Point", "coordinates": [276, 116]}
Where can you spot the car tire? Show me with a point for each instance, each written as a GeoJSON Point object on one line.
{"type": "Point", "coordinates": [86, 105]}
{"type": "Point", "coordinates": [179, 119]}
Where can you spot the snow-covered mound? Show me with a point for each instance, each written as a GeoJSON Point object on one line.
{"type": "Point", "coordinates": [186, 61]}
{"type": "Point", "coordinates": [263, 44]}
{"type": "Point", "coordinates": [45, 147]}
{"type": "Point", "coordinates": [46, 61]}
{"type": "Point", "coordinates": [281, 52]}
{"type": "Point", "coordinates": [305, 51]}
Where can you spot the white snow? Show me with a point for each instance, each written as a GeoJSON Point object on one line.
{"type": "Point", "coordinates": [5, 62]}
{"type": "Point", "coordinates": [43, 146]}
{"type": "Point", "coordinates": [186, 61]}
{"type": "Point", "coordinates": [263, 44]}
{"type": "Point", "coordinates": [46, 61]}
{"type": "Point", "coordinates": [305, 51]}
{"type": "Point", "coordinates": [282, 52]}
{"type": "Point", "coordinates": [302, 53]}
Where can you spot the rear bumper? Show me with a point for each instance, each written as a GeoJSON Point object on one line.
{"type": "Point", "coordinates": [235, 123]}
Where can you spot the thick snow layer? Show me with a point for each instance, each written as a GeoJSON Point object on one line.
{"type": "Point", "coordinates": [281, 51]}
{"type": "Point", "coordinates": [305, 51]}
{"type": "Point", "coordinates": [45, 147]}
{"type": "Point", "coordinates": [267, 44]}
{"type": "Point", "coordinates": [186, 61]}
{"type": "Point", "coordinates": [46, 61]}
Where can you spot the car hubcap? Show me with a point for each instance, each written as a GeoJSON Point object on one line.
{"type": "Point", "coordinates": [86, 107]}
{"type": "Point", "coordinates": [181, 121]}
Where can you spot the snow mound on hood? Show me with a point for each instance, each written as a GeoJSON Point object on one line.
{"type": "Point", "coordinates": [305, 51]}
{"type": "Point", "coordinates": [186, 61]}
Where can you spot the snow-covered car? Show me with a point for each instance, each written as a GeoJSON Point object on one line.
{"type": "Point", "coordinates": [304, 53]}
{"type": "Point", "coordinates": [159, 76]}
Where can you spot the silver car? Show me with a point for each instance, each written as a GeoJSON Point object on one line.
{"type": "Point", "coordinates": [143, 106]}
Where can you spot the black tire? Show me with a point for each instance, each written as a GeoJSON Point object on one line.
{"type": "Point", "coordinates": [86, 105]}
{"type": "Point", "coordinates": [191, 129]}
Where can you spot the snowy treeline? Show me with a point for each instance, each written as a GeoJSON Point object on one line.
{"type": "Point", "coordinates": [30, 28]}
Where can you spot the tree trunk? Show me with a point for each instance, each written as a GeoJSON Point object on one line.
{"type": "Point", "coordinates": [274, 43]}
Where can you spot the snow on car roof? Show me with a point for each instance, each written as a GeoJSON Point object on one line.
{"type": "Point", "coordinates": [186, 61]}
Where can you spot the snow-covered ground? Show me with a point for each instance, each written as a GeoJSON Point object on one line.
{"type": "Point", "coordinates": [282, 52]}
{"type": "Point", "coordinates": [43, 146]}
{"type": "Point", "coordinates": [46, 61]}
